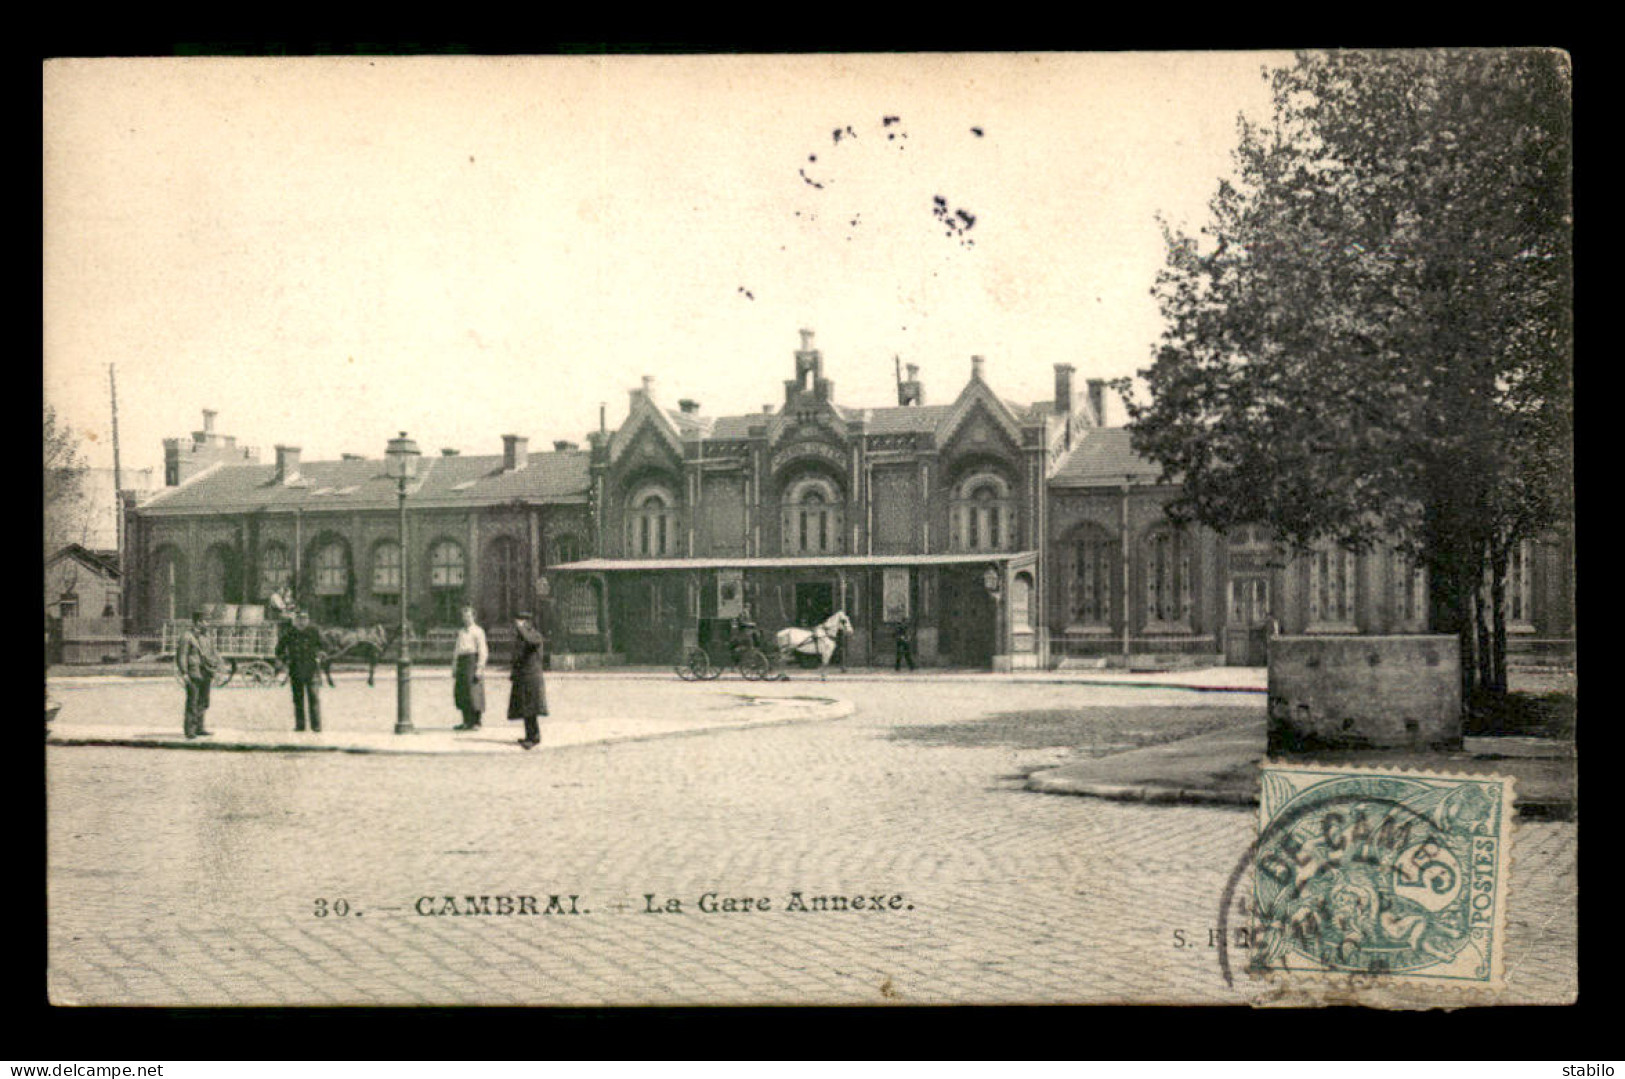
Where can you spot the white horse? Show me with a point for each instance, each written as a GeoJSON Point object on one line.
{"type": "Point", "coordinates": [821, 640]}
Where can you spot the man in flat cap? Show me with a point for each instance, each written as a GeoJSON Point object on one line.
{"type": "Point", "coordinates": [196, 660]}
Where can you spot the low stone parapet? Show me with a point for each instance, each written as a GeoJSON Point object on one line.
{"type": "Point", "coordinates": [1354, 692]}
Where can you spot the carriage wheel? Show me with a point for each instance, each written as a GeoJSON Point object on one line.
{"type": "Point", "coordinates": [259, 673]}
{"type": "Point", "coordinates": [697, 663]}
{"type": "Point", "coordinates": [753, 665]}
{"type": "Point", "coordinates": [703, 666]}
{"type": "Point", "coordinates": [685, 672]}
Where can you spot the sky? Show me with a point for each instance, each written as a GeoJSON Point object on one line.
{"type": "Point", "coordinates": [329, 251]}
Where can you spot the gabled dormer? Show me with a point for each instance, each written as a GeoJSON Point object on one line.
{"type": "Point", "coordinates": [979, 414]}
{"type": "Point", "coordinates": [648, 430]}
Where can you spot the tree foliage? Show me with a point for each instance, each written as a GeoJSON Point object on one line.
{"type": "Point", "coordinates": [64, 484]}
{"type": "Point", "coordinates": [1371, 337]}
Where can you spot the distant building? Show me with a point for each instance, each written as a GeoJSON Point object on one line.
{"type": "Point", "coordinates": [82, 583]}
{"type": "Point", "coordinates": [228, 530]}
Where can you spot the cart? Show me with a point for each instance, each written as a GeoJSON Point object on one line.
{"type": "Point", "coordinates": [249, 651]}
{"type": "Point", "coordinates": [744, 656]}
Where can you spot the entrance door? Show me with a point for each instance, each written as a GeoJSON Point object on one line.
{"type": "Point", "coordinates": [1246, 633]}
{"type": "Point", "coordinates": [815, 601]}
{"type": "Point", "coordinates": [968, 623]}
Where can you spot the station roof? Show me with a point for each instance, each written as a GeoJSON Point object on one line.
{"type": "Point", "coordinates": [553, 477]}
{"type": "Point", "coordinates": [1105, 458]}
{"type": "Point", "coordinates": [604, 565]}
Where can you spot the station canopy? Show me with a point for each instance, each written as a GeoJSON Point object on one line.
{"type": "Point", "coordinates": [606, 565]}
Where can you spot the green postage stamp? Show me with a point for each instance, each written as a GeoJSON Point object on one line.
{"type": "Point", "coordinates": [1382, 875]}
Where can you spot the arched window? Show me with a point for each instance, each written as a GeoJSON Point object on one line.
{"type": "Point", "coordinates": [1021, 603]}
{"type": "Point", "coordinates": [651, 524]}
{"type": "Point", "coordinates": [447, 572]}
{"type": "Point", "coordinates": [1167, 573]}
{"type": "Point", "coordinates": [221, 581]}
{"type": "Point", "coordinates": [1251, 556]}
{"type": "Point", "coordinates": [1092, 574]}
{"type": "Point", "coordinates": [168, 584]}
{"type": "Point", "coordinates": [1409, 584]}
{"type": "Point", "coordinates": [983, 515]}
{"type": "Point", "coordinates": [1333, 574]}
{"type": "Point", "coordinates": [814, 517]}
{"type": "Point", "coordinates": [1520, 608]}
{"type": "Point", "coordinates": [331, 583]}
{"type": "Point", "coordinates": [386, 573]}
{"type": "Point", "coordinates": [505, 581]}
{"type": "Point", "coordinates": [276, 569]}
{"type": "Point", "coordinates": [581, 608]}
{"type": "Point", "coordinates": [1519, 593]}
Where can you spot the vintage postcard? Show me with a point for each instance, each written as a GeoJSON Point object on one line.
{"type": "Point", "coordinates": [810, 529]}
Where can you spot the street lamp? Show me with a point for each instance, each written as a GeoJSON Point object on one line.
{"type": "Point", "coordinates": [402, 456]}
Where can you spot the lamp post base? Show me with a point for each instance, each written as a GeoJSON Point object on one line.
{"type": "Point", "coordinates": [403, 697]}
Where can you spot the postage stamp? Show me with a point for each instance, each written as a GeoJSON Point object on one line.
{"type": "Point", "coordinates": [1386, 875]}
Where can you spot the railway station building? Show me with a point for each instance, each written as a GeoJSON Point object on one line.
{"type": "Point", "coordinates": [1004, 535]}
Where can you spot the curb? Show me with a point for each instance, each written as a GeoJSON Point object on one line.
{"type": "Point", "coordinates": [1047, 783]}
{"type": "Point", "coordinates": [826, 708]}
{"type": "Point", "coordinates": [1041, 783]}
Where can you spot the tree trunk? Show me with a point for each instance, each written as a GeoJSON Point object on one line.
{"type": "Point", "coordinates": [1452, 604]}
{"type": "Point", "coordinates": [1497, 681]}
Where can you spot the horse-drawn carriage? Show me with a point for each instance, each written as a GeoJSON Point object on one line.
{"type": "Point", "coordinates": [755, 660]}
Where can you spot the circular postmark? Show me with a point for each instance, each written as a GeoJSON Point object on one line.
{"type": "Point", "coordinates": [1368, 876]}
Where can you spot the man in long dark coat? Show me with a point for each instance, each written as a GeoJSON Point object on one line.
{"type": "Point", "coordinates": [301, 651]}
{"type": "Point", "coordinates": [528, 698]}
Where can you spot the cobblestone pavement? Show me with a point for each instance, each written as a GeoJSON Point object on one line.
{"type": "Point", "coordinates": [182, 878]}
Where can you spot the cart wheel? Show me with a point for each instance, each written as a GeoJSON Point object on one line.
{"type": "Point", "coordinates": [259, 673]}
{"type": "Point", "coordinates": [697, 663]}
{"type": "Point", "coordinates": [753, 665]}
{"type": "Point", "coordinates": [685, 672]}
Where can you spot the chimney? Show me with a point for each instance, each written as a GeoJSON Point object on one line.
{"type": "Point", "coordinates": [447, 451]}
{"type": "Point", "coordinates": [977, 364]}
{"type": "Point", "coordinates": [564, 445]}
{"type": "Point", "coordinates": [806, 340]}
{"type": "Point", "coordinates": [287, 464]}
{"type": "Point", "coordinates": [1063, 388]}
{"type": "Point", "coordinates": [910, 392]}
{"type": "Point", "coordinates": [515, 452]}
{"type": "Point", "coordinates": [1097, 400]}
{"type": "Point", "coordinates": [208, 420]}
{"type": "Point", "coordinates": [649, 388]}
{"type": "Point", "coordinates": [602, 421]}
{"type": "Point", "coordinates": [689, 405]}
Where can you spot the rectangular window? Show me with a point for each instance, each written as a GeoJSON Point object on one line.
{"type": "Point", "coordinates": [1332, 577]}
{"type": "Point", "coordinates": [386, 569]}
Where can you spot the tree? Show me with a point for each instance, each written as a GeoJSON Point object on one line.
{"type": "Point", "coordinates": [1371, 338]}
{"type": "Point", "coordinates": [66, 503]}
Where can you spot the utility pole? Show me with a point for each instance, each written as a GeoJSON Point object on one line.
{"type": "Point", "coordinates": [118, 475]}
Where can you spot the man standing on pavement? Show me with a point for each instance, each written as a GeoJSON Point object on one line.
{"type": "Point", "coordinates": [196, 660]}
{"type": "Point", "coordinates": [468, 672]}
{"type": "Point", "coordinates": [300, 650]}
{"type": "Point", "coordinates": [528, 698]}
{"type": "Point", "coordinates": [905, 650]}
